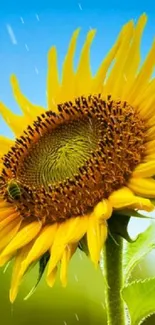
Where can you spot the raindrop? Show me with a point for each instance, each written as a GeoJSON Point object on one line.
{"type": "Point", "coordinates": [103, 305]}
{"type": "Point", "coordinates": [102, 261]}
{"type": "Point", "coordinates": [80, 255]}
{"type": "Point", "coordinates": [76, 278]}
{"type": "Point", "coordinates": [53, 101]}
{"type": "Point", "coordinates": [22, 20]}
{"type": "Point", "coordinates": [37, 17]}
{"type": "Point", "coordinates": [8, 120]}
{"type": "Point", "coordinates": [125, 78]}
{"type": "Point", "coordinates": [77, 317]}
{"type": "Point", "coordinates": [36, 70]}
{"type": "Point", "coordinates": [11, 34]}
{"type": "Point", "coordinates": [80, 7]}
{"type": "Point", "coordinates": [27, 48]}
{"type": "Point", "coordinates": [6, 267]}
{"type": "Point", "coordinates": [12, 310]}
{"type": "Point", "coordinates": [28, 108]}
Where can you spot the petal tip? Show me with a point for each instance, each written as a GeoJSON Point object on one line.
{"type": "Point", "coordinates": [12, 295]}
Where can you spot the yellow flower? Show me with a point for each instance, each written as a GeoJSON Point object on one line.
{"type": "Point", "coordinates": [90, 153]}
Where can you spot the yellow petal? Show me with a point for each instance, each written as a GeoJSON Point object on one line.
{"type": "Point", "coordinates": [122, 198]}
{"type": "Point", "coordinates": [150, 147]}
{"type": "Point", "coordinates": [69, 232]}
{"type": "Point", "coordinates": [16, 122]}
{"type": "Point", "coordinates": [142, 204]}
{"type": "Point", "coordinates": [5, 145]}
{"type": "Point", "coordinates": [151, 133]}
{"type": "Point", "coordinates": [22, 238]}
{"type": "Point", "coordinates": [4, 204]}
{"type": "Point", "coordinates": [143, 76]}
{"type": "Point", "coordinates": [6, 235]}
{"type": "Point", "coordinates": [149, 158]}
{"type": "Point", "coordinates": [151, 121]}
{"type": "Point", "coordinates": [97, 85]}
{"type": "Point", "coordinates": [83, 74]}
{"type": "Point", "coordinates": [41, 245]}
{"type": "Point", "coordinates": [143, 186]}
{"type": "Point", "coordinates": [145, 169]}
{"type": "Point", "coordinates": [96, 236]}
{"type": "Point", "coordinates": [5, 212]}
{"type": "Point", "coordinates": [134, 57]}
{"type": "Point", "coordinates": [7, 220]}
{"type": "Point", "coordinates": [102, 210]}
{"type": "Point", "coordinates": [16, 273]}
{"type": "Point", "coordinates": [30, 111]}
{"type": "Point", "coordinates": [67, 254]}
{"type": "Point", "coordinates": [53, 86]}
{"type": "Point", "coordinates": [117, 71]}
{"type": "Point", "coordinates": [145, 97]}
{"type": "Point", "coordinates": [146, 109]}
{"type": "Point", "coordinates": [50, 279]}
{"type": "Point", "coordinates": [68, 75]}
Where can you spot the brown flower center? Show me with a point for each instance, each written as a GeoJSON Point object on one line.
{"type": "Point", "coordinates": [65, 164]}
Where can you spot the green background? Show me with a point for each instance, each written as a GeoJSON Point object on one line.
{"type": "Point", "coordinates": [81, 302]}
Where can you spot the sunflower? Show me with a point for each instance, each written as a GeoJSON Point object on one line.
{"type": "Point", "coordinates": [90, 153]}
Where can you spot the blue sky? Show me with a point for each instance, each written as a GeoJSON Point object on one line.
{"type": "Point", "coordinates": [29, 29]}
{"type": "Point", "coordinates": [37, 25]}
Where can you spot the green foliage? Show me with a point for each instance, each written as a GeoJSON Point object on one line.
{"type": "Point", "coordinates": [139, 296]}
{"type": "Point", "coordinates": [118, 223]}
{"type": "Point", "coordinates": [140, 299]}
{"type": "Point", "coordinates": [42, 265]}
{"type": "Point", "coordinates": [137, 250]}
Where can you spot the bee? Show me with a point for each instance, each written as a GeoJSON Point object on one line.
{"type": "Point", "coordinates": [14, 190]}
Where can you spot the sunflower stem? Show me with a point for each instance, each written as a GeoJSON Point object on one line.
{"type": "Point", "coordinates": [114, 277]}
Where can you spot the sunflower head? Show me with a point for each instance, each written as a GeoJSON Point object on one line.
{"type": "Point", "coordinates": [71, 155]}
{"type": "Point", "coordinates": [91, 153]}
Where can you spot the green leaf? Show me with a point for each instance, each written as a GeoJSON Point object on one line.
{"type": "Point", "coordinates": [140, 299]}
{"type": "Point", "coordinates": [136, 251]}
{"type": "Point", "coordinates": [132, 213]}
{"type": "Point", "coordinates": [118, 224]}
{"type": "Point", "coordinates": [42, 265]}
{"type": "Point", "coordinates": [83, 245]}
{"type": "Point", "coordinates": [153, 200]}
